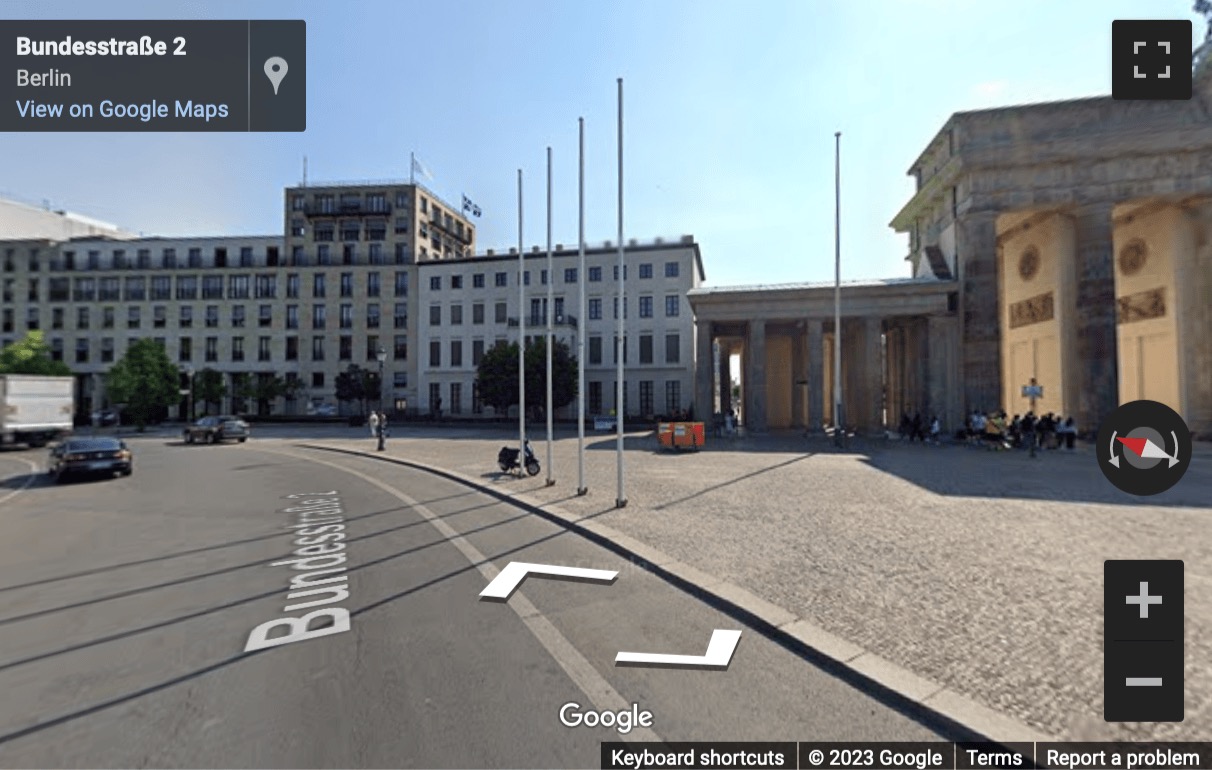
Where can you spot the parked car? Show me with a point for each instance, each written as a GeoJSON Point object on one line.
{"type": "Point", "coordinates": [77, 456]}
{"type": "Point", "coordinates": [323, 410]}
{"type": "Point", "coordinates": [104, 418]}
{"type": "Point", "coordinates": [211, 430]}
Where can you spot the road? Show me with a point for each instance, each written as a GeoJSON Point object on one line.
{"type": "Point", "coordinates": [126, 605]}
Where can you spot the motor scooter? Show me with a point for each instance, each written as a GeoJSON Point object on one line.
{"type": "Point", "coordinates": [507, 459]}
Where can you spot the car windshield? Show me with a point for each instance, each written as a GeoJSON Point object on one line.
{"type": "Point", "coordinates": [92, 445]}
{"type": "Point", "coordinates": [229, 418]}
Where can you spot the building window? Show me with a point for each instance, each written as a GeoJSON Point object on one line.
{"type": "Point", "coordinates": [346, 284]}
{"type": "Point", "coordinates": [265, 316]}
{"type": "Point", "coordinates": [402, 253]}
{"type": "Point", "coordinates": [33, 295]}
{"type": "Point", "coordinates": [399, 379]}
{"type": "Point", "coordinates": [401, 284]}
{"type": "Point", "coordinates": [456, 315]}
{"type": "Point", "coordinates": [616, 272]}
{"type": "Point", "coordinates": [646, 405]}
{"type": "Point", "coordinates": [400, 348]}
{"type": "Point", "coordinates": [267, 286]}
{"type": "Point", "coordinates": [136, 289]}
{"type": "Point", "coordinates": [292, 348]}
{"type": "Point", "coordinates": [401, 226]}
{"type": "Point", "coordinates": [477, 352]}
{"type": "Point", "coordinates": [195, 257]}
{"type": "Point", "coordinates": [456, 398]}
{"type": "Point", "coordinates": [161, 287]}
{"type": "Point", "coordinates": [292, 316]}
{"type": "Point", "coordinates": [502, 312]}
{"type": "Point", "coordinates": [292, 286]}
{"type": "Point", "coordinates": [570, 275]}
{"type": "Point", "coordinates": [246, 256]}
{"type": "Point", "coordinates": [673, 396]}
{"type": "Point", "coordinates": [263, 348]}
{"type": "Point", "coordinates": [81, 318]}
{"type": "Point", "coordinates": [317, 348]}
{"type": "Point", "coordinates": [237, 348]}
{"type": "Point", "coordinates": [296, 202]}
{"type": "Point", "coordinates": [501, 279]}
{"type": "Point", "coordinates": [350, 230]}
{"type": "Point", "coordinates": [31, 319]}
{"type": "Point", "coordinates": [477, 313]}
{"type": "Point", "coordinates": [456, 353]}
{"type": "Point", "coordinates": [107, 318]}
{"type": "Point", "coordinates": [345, 347]}
{"type": "Point", "coordinates": [237, 317]}
{"type": "Point", "coordinates": [673, 349]}
{"type": "Point", "coordinates": [317, 285]}
{"type": "Point", "coordinates": [82, 351]}
{"type": "Point", "coordinates": [477, 403]}
{"type": "Point", "coordinates": [400, 316]}
{"type": "Point", "coordinates": [616, 307]}
{"type": "Point", "coordinates": [317, 379]}
{"type": "Point", "coordinates": [212, 349]}
{"type": "Point", "coordinates": [543, 277]}
{"type": "Point", "coordinates": [672, 306]}
{"type": "Point", "coordinates": [212, 287]}
{"type": "Point", "coordinates": [435, 353]}
{"type": "Point", "coordinates": [477, 281]}
{"type": "Point", "coordinates": [526, 278]}
{"type": "Point", "coordinates": [671, 269]}
{"type": "Point", "coordinates": [318, 318]}
{"type": "Point", "coordinates": [111, 290]}
{"type": "Point", "coordinates": [297, 257]}
{"type": "Point", "coordinates": [595, 309]}
{"type": "Point", "coordinates": [375, 254]}
{"type": "Point", "coordinates": [645, 307]}
{"type": "Point", "coordinates": [133, 320]}
{"type": "Point", "coordinates": [168, 259]}
{"type": "Point", "coordinates": [185, 319]}
{"type": "Point", "coordinates": [616, 350]}
{"type": "Point", "coordinates": [435, 315]}
{"type": "Point", "coordinates": [372, 347]}
{"type": "Point", "coordinates": [372, 285]}
{"type": "Point", "coordinates": [595, 350]}
{"type": "Point", "coordinates": [187, 287]}
{"type": "Point", "coordinates": [57, 318]}
{"type": "Point", "coordinates": [212, 316]}
{"type": "Point", "coordinates": [159, 316]}
{"type": "Point", "coordinates": [346, 317]}
{"type": "Point", "coordinates": [456, 281]}
{"type": "Point", "coordinates": [435, 283]}
{"type": "Point", "coordinates": [646, 349]}
{"type": "Point", "coordinates": [646, 270]}
{"type": "Point", "coordinates": [435, 397]}
{"type": "Point", "coordinates": [60, 289]}
{"type": "Point", "coordinates": [372, 316]}
{"type": "Point", "coordinates": [107, 350]}
{"type": "Point", "coordinates": [185, 349]}
{"type": "Point", "coordinates": [595, 398]}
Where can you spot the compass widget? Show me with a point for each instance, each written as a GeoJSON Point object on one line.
{"type": "Point", "coordinates": [1144, 448]}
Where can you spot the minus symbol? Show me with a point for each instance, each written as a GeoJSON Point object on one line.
{"type": "Point", "coordinates": [1144, 681]}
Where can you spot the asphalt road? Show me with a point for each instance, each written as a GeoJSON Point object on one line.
{"type": "Point", "coordinates": [126, 604]}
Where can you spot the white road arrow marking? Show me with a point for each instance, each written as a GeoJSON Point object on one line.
{"type": "Point", "coordinates": [508, 580]}
{"type": "Point", "coordinates": [719, 654]}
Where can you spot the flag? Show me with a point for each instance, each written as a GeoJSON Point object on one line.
{"type": "Point", "coordinates": [468, 206]}
{"type": "Point", "coordinates": [419, 168]}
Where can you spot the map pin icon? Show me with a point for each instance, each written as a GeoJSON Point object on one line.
{"type": "Point", "coordinates": [275, 70]}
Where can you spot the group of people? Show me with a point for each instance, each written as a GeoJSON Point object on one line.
{"type": "Point", "coordinates": [995, 431]}
{"type": "Point", "coordinates": [915, 428]}
{"type": "Point", "coordinates": [377, 422]}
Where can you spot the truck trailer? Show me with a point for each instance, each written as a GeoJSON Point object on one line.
{"type": "Point", "coordinates": [34, 409]}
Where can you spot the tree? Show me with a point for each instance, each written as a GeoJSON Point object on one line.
{"type": "Point", "coordinates": [358, 385]}
{"type": "Point", "coordinates": [209, 388]}
{"type": "Point", "coordinates": [31, 356]}
{"type": "Point", "coordinates": [242, 388]}
{"type": "Point", "coordinates": [145, 380]}
{"type": "Point", "coordinates": [266, 390]}
{"type": "Point", "coordinates": [497, 375]}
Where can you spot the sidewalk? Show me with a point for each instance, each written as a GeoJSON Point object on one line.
{"type": "Point", "coordinates": [977, 571]}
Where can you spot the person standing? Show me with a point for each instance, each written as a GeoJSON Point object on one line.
{"type": "Point", "coordinates": [382, 431]}
{"type": "Point", "coordinates": [373, 420]}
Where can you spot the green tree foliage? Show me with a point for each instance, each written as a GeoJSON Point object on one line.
{"type": "Point", "coordinates": [497, 375]}
{"type": "Point", "coordinates": [209, 388]}
{"type": "Point", "coordinates": [145, 380]}
{"type": "Point", "coordinates": [31, 356]}
{"type": "Point", "coordinates": [358, 385]}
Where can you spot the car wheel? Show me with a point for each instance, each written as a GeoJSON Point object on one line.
{"type": "Point", "coordinates": [243, 440]}
{"type": "Point", "coordinates": [60, 477]}
{"type": "Point", "coordinates": [189, 438]}
{"type": "Point", "coordinates": [128, 471]}
{"type": "Point", "coordinates": [210, 438]}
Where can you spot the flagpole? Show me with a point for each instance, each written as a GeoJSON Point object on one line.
{"type": "Point", "coordinates": [521, 334]}
{"type": "Point", "coordinates": [550, 313]}
{"type": "Point", "coordinates": [581, 488]}
{"type": "Point", "coordinates": [620, 500]}
{"type": "Point", "coordinates": [838, 418]}
{"type": "Point", "coordinates": [412, 168]}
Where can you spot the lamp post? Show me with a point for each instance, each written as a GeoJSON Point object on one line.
{"type": "Point", "coordinates": [382, 356]}
{"type": "Point", "coordinates": [189, 393]}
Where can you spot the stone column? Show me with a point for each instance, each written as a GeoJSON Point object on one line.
{"type": "Point", "coordinates": [816, 375]}
{"type": "Point", "coordinates": [799, 378]}
{"type": "Point", "coordinates": [942, 334]}
{"type": "Point", "coordinates": [1097, 359]}
{"type": "Point", "coordinates": [703, 366]}
{"type": "Point", "coordinates": [725, 377]}
{"type": "Point", "coordinates": [755, 377]}
{"type": "Point", "coordinates": [979, 300]}
{"type": "Point", "coordinates": [873, 374]}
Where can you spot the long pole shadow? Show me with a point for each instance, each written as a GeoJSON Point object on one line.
{"type": "Point", "coordinates": [730, 482]}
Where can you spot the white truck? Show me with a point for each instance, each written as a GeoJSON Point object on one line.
{"type": "Point", "coordinates": [35, 409]}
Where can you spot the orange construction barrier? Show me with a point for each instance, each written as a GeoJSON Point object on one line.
{"type": "Point", "coordinates": [675, 435]}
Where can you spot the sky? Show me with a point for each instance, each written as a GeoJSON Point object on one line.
{"type": "Point", "coordinates": [730, 111]}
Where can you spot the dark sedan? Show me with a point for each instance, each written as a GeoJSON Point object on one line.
{"type": "Point", "coordinates": [211, 430]}
{"type": "Point", "coordinates": [79, 456]}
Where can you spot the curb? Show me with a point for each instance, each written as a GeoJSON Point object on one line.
{"type": "Point", "coordinates": [937, 705]}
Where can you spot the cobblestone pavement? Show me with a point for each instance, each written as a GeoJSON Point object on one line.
{"type": "Point", "coordinates": [981, 571]}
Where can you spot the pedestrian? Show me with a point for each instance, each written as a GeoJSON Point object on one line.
{"type": "Point", "coordinates": [1070, 434]}
{"type": "Point", "coordinates": [373, 420]}
{"type": "Point", "coordinates": [382, 431]}
{"type": "Point", "coordinates": [936, 429]}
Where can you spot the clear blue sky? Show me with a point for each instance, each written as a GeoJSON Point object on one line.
{"type": "Point", "coordinates": [730, 112]}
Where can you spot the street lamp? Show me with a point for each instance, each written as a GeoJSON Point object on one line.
{"type": "Point", "coordinates": [189, 393]}
{"type": "Point", "coordinates": [382, 356]}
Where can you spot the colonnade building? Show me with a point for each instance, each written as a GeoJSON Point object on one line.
{"type": "Point", "coordinates": [1067, 244]}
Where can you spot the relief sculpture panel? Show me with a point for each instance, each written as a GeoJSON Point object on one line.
{"type": "Point", "coordinates": [1142, 306]}
{"type": "Point", "coordinates": [1032, 310]}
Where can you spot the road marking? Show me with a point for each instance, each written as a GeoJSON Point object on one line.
{"type": "Point", "coordinates": [582, 673]}
{"type": "Point", "coordinates": [33, 467]}
{"type": "Point", "coordinates": [719, 655]}
{"type": "Point", "coordinates": [504, 584]}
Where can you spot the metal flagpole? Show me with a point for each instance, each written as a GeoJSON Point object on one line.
{"type": "Point", "coordinates": [838, 417]}
{"type": "Point", "coordinates": [581, 488]}
{"type": "Point", "coordinates": [549, 311]}
{"type": "Point", "coordinates": [521, 334]}
{"type": "Point", "coordinates": [620, 348]}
